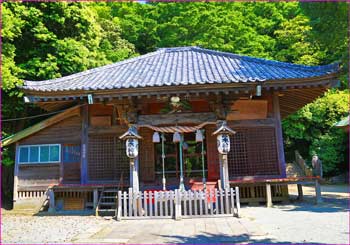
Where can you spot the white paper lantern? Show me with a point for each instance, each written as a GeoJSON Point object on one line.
{"type": "Point", "coordinates": [199, 135]}
{"type": "Point", "coordinates": [258, 90]}
{"type": "Point", "coordinates": [176, 137]}
{"type": "Point", "coordinates": [223, 141]}
{"type": "Point", "coordinates": [156, 138]}
{"type": "Point", "coordinates": [132, 147]}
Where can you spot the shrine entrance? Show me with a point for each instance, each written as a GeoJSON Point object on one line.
{"type": "Point", "coordinates": [193, 168]}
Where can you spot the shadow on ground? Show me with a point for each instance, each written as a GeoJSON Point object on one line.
{"type": "Point", "coordinates": [329, 204]}
{"type": "Point", "coordinates": [209, 238]}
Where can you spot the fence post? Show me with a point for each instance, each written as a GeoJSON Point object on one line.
{"type": "Point", "coordinates": [119, 208]}
{"type": "Point", "coordinates": [130, 197]}
{"type": "Point", "coordinates": [177, 204]}
{"type": "Point", "coordinates": [238, 204]}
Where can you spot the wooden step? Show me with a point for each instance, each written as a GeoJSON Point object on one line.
{"type": "Point", "coordinates": [111, 190]}
{"type": "Point", "coordinates": [107, 203]}
{"type": "Point", "coordinates": [108, 197]}
{"type": "Point", "coordinates": [106, 210]}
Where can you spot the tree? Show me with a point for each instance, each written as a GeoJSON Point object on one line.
{"type": "Point", "coordinates": [311, 130]}
{"type": "Point", "coordinates": [49, 40]}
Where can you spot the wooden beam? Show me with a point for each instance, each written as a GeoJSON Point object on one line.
{"type": "Point", "coordinates": [117, 129]}
{"type": "Point", "coordinates": [61, 175]}
{"type": "Point", "coordinates": [74, 111]}
{"type": "Point", "coordinates": [279, 135]}
{"type": "Point", "coordinates": [84, 144]}
{"type": "Point", "coordinates": [253, 123]}
{"type": "Point", "coordinates": [195, 118]}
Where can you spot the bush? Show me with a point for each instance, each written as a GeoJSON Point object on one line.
{"type": "Point", "coordinates": [311, 130]}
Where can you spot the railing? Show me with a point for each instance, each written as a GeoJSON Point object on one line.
{"type": "Point", "coordinates": [178, 204]}
{"type": "Point", "coordinates": [31, 194]}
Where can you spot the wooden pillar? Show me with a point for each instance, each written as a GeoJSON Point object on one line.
{"type": "Point", "coordinates": [268, 196]}
{"type": "Point", "coordinates": [84, 143]}
{"type": "Point", "coordinates": [300, 192]}
{"type": "Point", "coordinates": [95, 198]}
{"type": "Point", "coordinates": [221, 171]}
{"type": "Point", "coordinates": [225, 182]}
{"type": "Point", "coordinates": [146, 156]}
{"type": "Point", "coordinates": [279, 135]}
{"type": "Point", "coordinates": [61, 166]}
{"type": "Point", "coordinates": [52, 205]}
{"type": "Point", "coordinates": [134, 174]}
{"type": "Point", "coordinates": [238, 203]}
{"type": "Point", "coordinates": [15, 175]}
{"type": "Point", "coordinates": [318, 194]}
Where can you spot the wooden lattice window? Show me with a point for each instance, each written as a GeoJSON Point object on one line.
{"type": "Point", "coordinates": [253, 152]}
{"type": "Point", "coordinates": [107, 160]}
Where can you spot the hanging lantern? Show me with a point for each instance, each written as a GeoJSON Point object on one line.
{"type": "Point", "coordinates": [156, 138]}
{"type": "Point", "coordinates": [258, 90]}
{"type": "Point", "coordinates": [223, 142]}
{"type": "Point", "coordinates": [131, 138]}
{"type": "Point", "coordinates": [199, 135]}
{"type": "Point", "coordinates": [132, 147]}
{"type": "Point", "coordinates": [176, 137]}
{"type": "Point", "coordinates": [223, 138]}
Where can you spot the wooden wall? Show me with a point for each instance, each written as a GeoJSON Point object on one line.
{"type": "Point", "coordinates": [38, 175]}
{"type": "Point", "coordinates": [68, 131]}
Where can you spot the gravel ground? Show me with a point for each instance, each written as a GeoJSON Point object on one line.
{"type": "Point", "coordinates": [46, 229]}
{"type": "Point", "coordinates": [302, 223]}
{"type": "Point", "coordinates": [299, 222]}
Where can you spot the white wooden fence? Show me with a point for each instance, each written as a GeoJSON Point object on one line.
{"type": "Point", "coordinates": [177, 204]}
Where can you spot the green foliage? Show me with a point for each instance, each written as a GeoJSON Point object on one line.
{"type": "Point", "coordinates": [294, 43]}
{"type": "Point", "coordinates": [311, 130]}
{"type": "Point", "coordinates": [49, 40]}
{"type": "Point", "coordinates": [330, 25]}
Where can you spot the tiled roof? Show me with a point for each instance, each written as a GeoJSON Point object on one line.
{"type": "Point", "coordinates": [180, 66]}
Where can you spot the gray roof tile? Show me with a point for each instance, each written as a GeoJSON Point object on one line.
{"type": "Point", "coordinates": [180, 66]}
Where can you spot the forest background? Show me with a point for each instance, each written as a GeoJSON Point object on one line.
{"type": "Point", "coordinates": [48, 40]}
